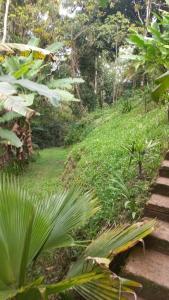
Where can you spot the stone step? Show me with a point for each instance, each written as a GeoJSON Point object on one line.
{"type": "Point", "coordinates": [161, 186]}
{"type": "Point", "coordinates": [158, 206]}
{"type": "Point", "coordinates": [164, 169]}
{"type": "Point", "coordinates": [159, 239]}
{"type": "Point", "coordinates": [150, 269]}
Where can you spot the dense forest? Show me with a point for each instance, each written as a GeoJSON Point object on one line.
{"type": "Point", "coordinates": [84, 125]}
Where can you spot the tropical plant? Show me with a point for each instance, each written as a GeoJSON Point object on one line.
{"type": "Point", "coordinates": [162, 86]}
{"type": "Point", "coordinates": [125, 194]}
{"type": "Point", "coordinates": [26, 72]}
{"type": "Point", "coordinates": [137, 151]}
{"type": "Point", "coordinates": [150, 48]}
{"type": "Point", "coordinates": [30, 226]}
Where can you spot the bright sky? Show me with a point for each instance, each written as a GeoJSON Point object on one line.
{"type": "Point", "coordinates": [65, 11]}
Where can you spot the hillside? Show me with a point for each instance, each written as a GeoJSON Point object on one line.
{"type": "Point", "coordinates": [105, 162]}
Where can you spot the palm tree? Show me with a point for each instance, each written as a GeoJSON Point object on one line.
{"type": "Point", "coordinates": [29, 226]}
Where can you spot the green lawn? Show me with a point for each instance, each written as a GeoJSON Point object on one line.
{"type": "Point", "coordinates": [44, 175]}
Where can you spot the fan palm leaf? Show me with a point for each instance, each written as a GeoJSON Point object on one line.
{"type": "Point", "coordinates": [108, 244]}
{"type": "Point", "coordinates": [29, 225]}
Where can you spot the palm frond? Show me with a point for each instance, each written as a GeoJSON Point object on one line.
{"type": "Point", "coordinates": [115, 241]}
{"type": "Point", "coordinates": [74, 208]}
{"type": "Point", "coordinates": [109, 244]}
{"type": "Point", "coordinates": [28, 225]}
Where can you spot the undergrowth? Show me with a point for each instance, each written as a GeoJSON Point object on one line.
{"type": "Point", "coordinates": [102, 161]}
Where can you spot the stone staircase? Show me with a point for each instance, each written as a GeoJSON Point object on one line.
{"type": "Point", "coordinates": [151, 268]}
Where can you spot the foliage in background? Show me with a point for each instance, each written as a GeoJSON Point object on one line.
{"type": "Point", "coordinates": [152, 48]}
{"type": "Point", "coordinates": [28, 74]}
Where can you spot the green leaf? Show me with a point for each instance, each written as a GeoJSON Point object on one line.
{"type": "Point", "coordinates": [103, 3]}
{"type": "Point", "coordinates": [162, 87]}
{"type": "Point", "coordinates": [23, 70]}
{"type": "Point", "coordinates": [10, 137]}
{"type": "Point", "coordinates": [66, 96]}
{"type": "Point", "coordinates": [137, 39]}
{"type": "Point", "coordinates": [65, 83]}
{"type": "Point", "coordinates": [55, 46]}
{"type": "Point", "coordinates": [109, 244]}
{"type": "Point", "coordinates": [73, 282]}
{"type": "Point", "coordinates": [9, 116]}
{"type": "Point", "coordinates": [74, 208]}
{"type": "Point", "coordinates": [164, 78]}
{"type": "Point", "coordinates": [11, 64]}
{"type": "Point", "coordinates": [41, 89]}
{"type": "Point", "coordinates": [7, 294]}
{"type": "Point", "coordinates": [34, 41]}
{"type": "Point", "coordinates": [35, 69]}
{"type": "Point", "coordinates": [115, 241]}
{"type": "Point", "coordinates": [19, 104]}
{"type": "Point", "coordinates": [7, 89]}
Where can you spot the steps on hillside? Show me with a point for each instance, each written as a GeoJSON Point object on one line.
{"type": "Point", "coordinates": [158, 207]}
{"type": "Point", "coordinates": [164, 169]}
{"type": "Point", "coordinates": [161, 186]}
{"type": "Point", "coordinates": [150, 269]}
{"type": "Point", "coordinates": [159, 239]}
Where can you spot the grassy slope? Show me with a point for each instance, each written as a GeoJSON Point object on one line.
{"type": "Point", "coordinates": [44, 175]}
{"type": "Point", "coordinates": [101, 157]}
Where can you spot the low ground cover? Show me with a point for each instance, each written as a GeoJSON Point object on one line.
{"type": "Point", "coordinates": [44, 175]}
{"type": "Point", "coordinates": [108, 161]}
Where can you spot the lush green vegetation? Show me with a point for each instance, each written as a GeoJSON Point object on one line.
{"type": "Point", "coordinates": [45, 174]}
{"type": "Point", "coordinates": [103, 161]}
{"type": "Point", "coordinates": [100, 88]}
{"type": "Point", "coordinates": [31, 227]}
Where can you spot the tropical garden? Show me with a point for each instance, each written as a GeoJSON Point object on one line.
{"type": "Point", "coordinates": [84, 115]}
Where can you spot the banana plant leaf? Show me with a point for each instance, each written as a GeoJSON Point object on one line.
{"type": "Point", "coordinates": [9, 116]}
{"type": "Point", "coordinates": [10, 138]}
{"type": "Point", "coordinates": [9, 49]}
{"type": "Point", "coordinates": [7, 89]}
{"type": "Point", "coordinates": [162, 86]}
{"type": "Point", "coordinates": [41, 89]}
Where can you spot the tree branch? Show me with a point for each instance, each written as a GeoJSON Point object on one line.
{"type": "Point", "coordinates": [5, 21]}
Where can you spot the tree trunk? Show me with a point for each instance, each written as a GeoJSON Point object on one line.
{"type": "Point", "coordinates": [74, 72]}
{"type": "Point", "coordinates": [95, 77]}
{"type": "Point", "coordinates": [5, 21]}
{"type": "Point", "coordinates": [148, 14]}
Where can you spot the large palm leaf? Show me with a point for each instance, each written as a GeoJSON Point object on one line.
{"type": "Point", "coordinates": [108, 244]}
{"type": "Point", "coordinates": [29, 226]}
